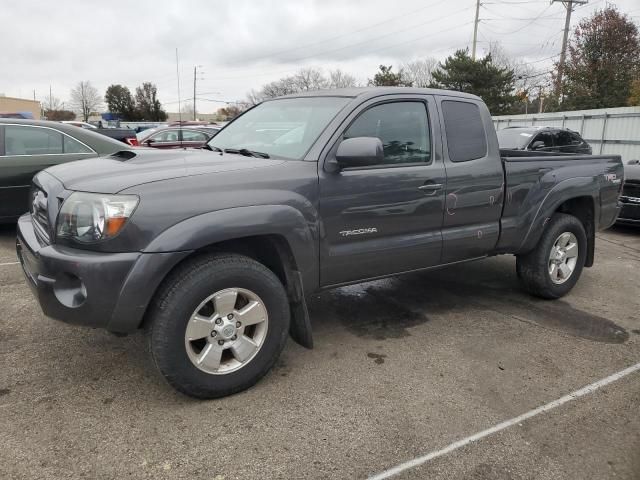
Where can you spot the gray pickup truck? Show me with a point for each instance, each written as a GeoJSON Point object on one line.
{"type": "Point", "coordinates": [213, 251]}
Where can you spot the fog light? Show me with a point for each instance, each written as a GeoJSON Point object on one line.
{"type": "Point", "coordinates": [69, 290]}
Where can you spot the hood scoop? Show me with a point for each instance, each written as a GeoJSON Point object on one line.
{"type": "Point", "coordinates": [123, 155]}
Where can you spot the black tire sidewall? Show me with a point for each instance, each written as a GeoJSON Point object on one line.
{"type": "Point", "coordinates": [560, 224]}
{"type": "Point", "coordinates": [180, 301]}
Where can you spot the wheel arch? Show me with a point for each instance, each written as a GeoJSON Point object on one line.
{"type": "Point", "coordinates": [277, 236]}
{"type": "Point", "coordinates": [575, 197]}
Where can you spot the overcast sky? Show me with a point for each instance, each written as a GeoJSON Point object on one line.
{"type": "Point", "coordinates": [243, 44]}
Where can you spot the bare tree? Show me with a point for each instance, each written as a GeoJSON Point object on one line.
{"type": "Point", "coordinates": [85, 99]}
{"type": "Point", "coordinates": [309, 79]}
{"type": "Point", "coordinates": [418, 72]}
{"type": "Point", "coordinates": [254, 98]}
{"type": "Point", "coordinates": [340, 79]}
{"type": "Point", "coordinates": [51, 103]}
{"type": "Point", "coordinates": [284, 86]}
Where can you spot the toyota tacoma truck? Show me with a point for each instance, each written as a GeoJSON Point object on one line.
{"type": "Point", "coordinates": [212, 252]}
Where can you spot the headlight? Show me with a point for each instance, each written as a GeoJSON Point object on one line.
{"type": "Point", "coordinates": [93, 217]}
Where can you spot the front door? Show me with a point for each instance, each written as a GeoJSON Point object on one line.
{"type": "Point", "coordinates": [386, 218]}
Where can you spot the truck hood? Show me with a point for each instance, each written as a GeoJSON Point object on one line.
{"type": "Point", "coordinates": [117, 172]}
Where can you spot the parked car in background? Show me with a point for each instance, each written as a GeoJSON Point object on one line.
{"type": "Point", "coordinates": [179, 137]}
{"type": "Point", "coordinates": [543, 139]}
{"type": "Point", "coordinates": [75, 123]}
{"type": "Point", "coordinates": [124, 135]}
{"type": "Point", "coordinates": [28, 146]}
{"type": "Point", "coordinates": [630, 198]}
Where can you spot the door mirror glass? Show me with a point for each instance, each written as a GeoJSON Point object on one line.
{"type": "Point", "coordinates": [360, 152]}
{"type": "Point", "coordinates": [537, 145]}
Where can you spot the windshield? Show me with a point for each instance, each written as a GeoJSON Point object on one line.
{"type": "Point", "coordinates": [513, 138]}
{"type": "Point", "coordinates": [284, 128]}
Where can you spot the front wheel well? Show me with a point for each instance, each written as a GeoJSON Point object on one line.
{"type": "Point", "coordinates": [272, 251]}
{"type": "Point", "coordinates": [584, 210]}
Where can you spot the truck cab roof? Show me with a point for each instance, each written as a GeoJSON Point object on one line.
{"type": "Point", "coordinates": [369, 92]}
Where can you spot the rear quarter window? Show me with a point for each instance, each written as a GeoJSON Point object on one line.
{"type": "Point", "coordinates": [466, 138]}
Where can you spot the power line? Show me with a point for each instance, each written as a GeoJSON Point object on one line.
{"type": "Point", "coordinates": [361, 43]}
{"type": "Point", "coordinates": [337, 37]}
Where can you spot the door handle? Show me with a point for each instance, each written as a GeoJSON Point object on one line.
{"type": "Point", "coordinates": [430, 188]}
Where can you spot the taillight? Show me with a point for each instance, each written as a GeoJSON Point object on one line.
{"type": "Point", "coordinates": [133, 141]}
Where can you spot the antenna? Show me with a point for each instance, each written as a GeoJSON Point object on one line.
{"type": "Point", "coordinates": [178, 75]}
{"type": "Point", "coordinates": [179, 102]}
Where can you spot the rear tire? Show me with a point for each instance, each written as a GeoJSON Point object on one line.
{"type": "Point", "coordinates": [217, 325]}
{"type": "Point", "coordinates": [554, 266]}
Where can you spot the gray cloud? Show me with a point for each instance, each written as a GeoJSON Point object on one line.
{"type": "Point", "coordinates": [243, 44]}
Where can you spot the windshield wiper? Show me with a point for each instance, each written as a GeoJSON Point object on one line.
{"type": "Point", "coordinates": [246, 152]}
{"type": "Point", "coordinates": [206, 146]}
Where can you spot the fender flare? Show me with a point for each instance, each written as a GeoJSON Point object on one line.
{"type": "Point", "coordinates": [559, 194]}
{"type": "Point", "coordinates": [206, 229]}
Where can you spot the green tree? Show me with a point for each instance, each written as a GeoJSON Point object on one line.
{"type": "Point", "coordinates": [603, 60]}
{"type": "Point", "coordinates": [634, 97]}
{"type": "Point", "coordinates": [494, 84]}
{"type": "Point", "coordinates": [148, 106]}
{"type": "Point", "coordinates": [119, 100]}
{"type": "Point", "coordinates": [387, 78]}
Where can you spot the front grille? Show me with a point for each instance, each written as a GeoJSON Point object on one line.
{"type": "Point", "coordinates": [631, 190]}
{"type": "Point", "coordinates": [630, 212]}
{"type": "Point", "coordinates": [39, 215]}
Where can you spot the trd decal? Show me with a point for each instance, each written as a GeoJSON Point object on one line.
{"type": "Point", "coordinates": [359, 231]}
{"type": "Point", "coordinates": [611, 177]}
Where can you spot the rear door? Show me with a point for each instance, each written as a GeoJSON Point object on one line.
{"type": "Point", "coordinates": [474, 191]}
{"type": "Point", "coordinates": [385, 218]}
{"type": "Point", "coordinates": [193, 138]}
{"type": "Point", "coordinates": [164, 139]}
{"type": "Point", "coordinates": [27, 150]}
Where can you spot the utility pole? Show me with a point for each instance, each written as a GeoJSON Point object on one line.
{"type": "Point", "coordinates": [50, 99]}
{"type": "Point", "coordinates": [475, 30]}
{"type": "Point", "coordinates": [540, 99]}
{"type": "Point", "coordinates": [195, 77]}
{"type": "Point", "coordinates": [568, 5]}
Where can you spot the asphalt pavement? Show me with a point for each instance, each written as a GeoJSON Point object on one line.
{"type": "Point", "coordinates": [402, 369]}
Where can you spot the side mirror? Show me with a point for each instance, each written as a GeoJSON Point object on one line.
{"type": "Point", "coordinates": [360, 152]}
{"type": "Point", "coordinates": [537, 145]}
{"type": "Point", "coordinates": [633, 162]}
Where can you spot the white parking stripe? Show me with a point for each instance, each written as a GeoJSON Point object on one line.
{"type": "Point", "coordinates": [501, 426]}
{"type": "Point", "coordinates": [9, 263]}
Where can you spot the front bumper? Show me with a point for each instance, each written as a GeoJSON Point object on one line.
{"type": "Point", "coordinates": [93, 289]}
{"type": "Point", "coordinates": [630, 213]}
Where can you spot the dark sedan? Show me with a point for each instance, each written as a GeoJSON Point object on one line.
{"type": "Point", "coordinates": [179, 137]}
{"type": "Point", "coordinates": [543, 139]}
{"type": "Point", "coordinates": [28, 146]}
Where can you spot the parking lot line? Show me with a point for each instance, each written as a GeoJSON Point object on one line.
{"type": "Point", "coordinates": [506, 424]}
{"type": "Point", "coordinates": [8, 263]}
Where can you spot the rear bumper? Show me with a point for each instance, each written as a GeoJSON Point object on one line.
{"type": "Point", "coordinates": [93, 289]}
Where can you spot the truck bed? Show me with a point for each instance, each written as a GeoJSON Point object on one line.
{"type": "Point", "coordinates": [535, 183]}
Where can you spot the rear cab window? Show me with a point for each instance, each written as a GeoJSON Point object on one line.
{"type": "Point", "coordinates": [466, 137]}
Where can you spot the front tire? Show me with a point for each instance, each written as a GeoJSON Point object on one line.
{"type": "Point", "coordinates": [217, 325]}
{"type": "Point", "coordinates": [554, 266]}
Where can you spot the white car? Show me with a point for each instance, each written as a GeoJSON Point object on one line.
{"type": "Point", "coordinates": [79, 124]}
